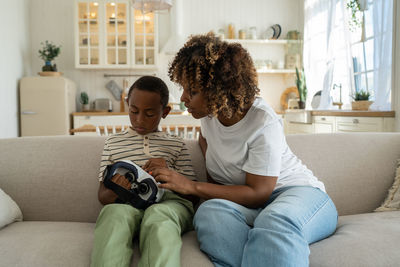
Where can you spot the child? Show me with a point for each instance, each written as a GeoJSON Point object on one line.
{"type": "Point", "coordinates": [161, 224]}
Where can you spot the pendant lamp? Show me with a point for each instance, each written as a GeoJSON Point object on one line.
{"type": "Point", "coordinates": [151, 5]}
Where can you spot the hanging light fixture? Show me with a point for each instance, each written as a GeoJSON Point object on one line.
{"type": "Point", "coordinates": [151, 5]}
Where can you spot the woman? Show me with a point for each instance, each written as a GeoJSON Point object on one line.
{"type": "Point", "coordinates": [264, 207]}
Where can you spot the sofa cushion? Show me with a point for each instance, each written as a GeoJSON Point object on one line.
{"type": "Point", "coordinates": [10, 212]}
{"type": "Point", "coordinates": [370, 239]}
{"type": "Point", "coordinates": [392, 200]}
{"type": "Point", "coordinates": [34, 243]}
{"type": "Point", "coordinates": [53, 178]}
{"type": "Point", "coordinates": [356, 168]}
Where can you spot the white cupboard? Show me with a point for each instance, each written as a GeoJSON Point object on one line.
{"type": "Point", "coordinates": [337, 124]}
{"type": "Point", "coordinates": [111, 34]}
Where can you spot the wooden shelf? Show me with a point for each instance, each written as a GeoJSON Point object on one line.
{"type": "Point", "coordinates": [276, 71]}
{"type": "Point", "coordinates": [260, 41]}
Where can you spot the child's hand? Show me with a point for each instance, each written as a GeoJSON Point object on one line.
{"type": "Point", "coordinates": [153, 163]}
{"type": "Point", "coordinates": [121, 180]}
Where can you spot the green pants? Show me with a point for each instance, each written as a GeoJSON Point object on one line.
{"type": "Point", "coordinates": [160, 227]}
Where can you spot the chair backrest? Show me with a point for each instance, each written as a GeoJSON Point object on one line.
{"type": "Point", "coordinates": [183, 131]}
{"type": "Point", "coordinates": [107, 130]}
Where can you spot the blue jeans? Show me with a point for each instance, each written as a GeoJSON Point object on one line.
{"type": "Point", "coordinates": [276, 235]}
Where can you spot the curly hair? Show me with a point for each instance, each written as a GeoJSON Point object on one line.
{"type": "Point", "coordinates": [224, 73]}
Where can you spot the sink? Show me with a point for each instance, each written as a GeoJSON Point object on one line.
{"type": "Point", "coordinates": [298, 116]}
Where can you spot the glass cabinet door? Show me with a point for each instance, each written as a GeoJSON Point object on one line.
{"type": "Point", "coordinates": [88, 25]}
{"type": "Point", "coordinates": [112, 34]}
{"type": "Point", "coordinates": [144, 38]}
{"type": "Point", "coordinates": [116, 27]}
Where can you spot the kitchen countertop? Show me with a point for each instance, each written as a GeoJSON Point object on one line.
{"type": "Point", "coordinates": [348, 113]}
{"type": "Point", "coordinates": [344, 113]}
{"type": "Point", "coordinates": [106, 113]}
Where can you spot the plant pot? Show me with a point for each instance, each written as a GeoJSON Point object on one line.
{"type": "Point", "coordinates": [361, 105]}
{"type": "Point", "coordinates": [47, 66]}
{"type": "Point", "coordinates": [363, 5]}
{"type": "Point", "coordinates": [302, 104]}
{"type": "Point", "coordinates": [85, 107]}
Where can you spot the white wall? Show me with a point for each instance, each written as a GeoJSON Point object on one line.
{"type": "Point", "coordinates": [52, 20]}
{"type": "Point", "coordinates": [14, 61]}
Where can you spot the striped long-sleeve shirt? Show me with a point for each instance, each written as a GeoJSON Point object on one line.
{"type": "Point", "coordinates": [129, 145]}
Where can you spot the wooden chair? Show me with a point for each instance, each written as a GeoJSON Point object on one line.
{"type": "Point", "coordinates": [183, 131]}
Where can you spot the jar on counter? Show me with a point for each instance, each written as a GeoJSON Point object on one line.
{"type": "Point", "coordinates": [221, 33]}
{"type": "Point", "coordinates": [253, 33]}
{"type": "Point", "coordinates": [242, 34]}
{"type": "Point", "coordinates": [231, 31]}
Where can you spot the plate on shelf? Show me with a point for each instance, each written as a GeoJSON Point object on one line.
{"type": "Point", "coordinates": [277, 31]}
{"type": "Point", "coordinates": [316, 100]}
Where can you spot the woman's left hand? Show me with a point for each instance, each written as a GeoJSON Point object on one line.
{"type": "Point", "coordinates": [173, 180]}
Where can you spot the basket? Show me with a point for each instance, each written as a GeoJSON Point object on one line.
{"type": "Point", "coordinates": [361, 105]}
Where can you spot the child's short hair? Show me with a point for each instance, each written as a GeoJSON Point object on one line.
{"type": "Point", "coordinates": [152, 84]}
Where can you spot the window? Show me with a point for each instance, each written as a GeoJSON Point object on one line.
{"type": "Point", "coordinates": [362, 51]}
{"type": "Point", "coordinates": [340, 62]}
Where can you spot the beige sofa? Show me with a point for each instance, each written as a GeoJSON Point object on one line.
{"type": "Point", "coordinates": [54, 182]}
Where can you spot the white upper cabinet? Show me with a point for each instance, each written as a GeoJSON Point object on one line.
{"type": "Point", "coordinates": [111, 34]}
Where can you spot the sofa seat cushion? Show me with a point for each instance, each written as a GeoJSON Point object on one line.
{"type": "Point", "coordinates": [40, 243]}
{"type": "Point", "coordinates": [370, 239]}
{"type": "Point", "coordinates": [190, 253]}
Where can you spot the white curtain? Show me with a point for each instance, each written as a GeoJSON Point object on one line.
{"type": "Point", "coordinates": [383, 28]}
{"type": "Point", "coordinates": [323, 38]}
{"type": "Point", "coordinates": [326, 99]}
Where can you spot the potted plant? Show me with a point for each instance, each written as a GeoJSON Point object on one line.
{"type": "Point", "coordinates": [84, 100]}
{"type": "Point", "coordinates": [361, 100]}
{"type": "Point", "coordinates": [301, 87]}
{"type": "Point", "coordinates": [356, 8]}
{"type": "Point", "coordinates": [48, 53]}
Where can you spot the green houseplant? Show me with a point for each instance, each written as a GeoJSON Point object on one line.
{"type": "Point", "coordinates": [301, 87]}
{"type": "Point", "coordinates": [84, 100]}
{"type": "Point", "coordinates": [361, 100]}
{"type": "Point", "coordinates": [356, 7]}
{"type": "Point", "coordinates": [48, 53]}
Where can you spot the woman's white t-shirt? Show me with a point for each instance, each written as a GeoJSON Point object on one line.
{"type": "Point", "coordinates": [257, 145]}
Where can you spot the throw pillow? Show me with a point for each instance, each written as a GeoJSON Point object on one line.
{"type": "Point", "coordinates": [392, 201]}
{"type": "Point", "coordinates": [9, 210]}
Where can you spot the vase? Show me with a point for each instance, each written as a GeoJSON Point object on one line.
{"type": "Point", "coordinates": [47, 66]}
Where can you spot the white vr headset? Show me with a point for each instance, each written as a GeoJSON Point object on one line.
{"type": "Point", "coordinates": [144, 190]}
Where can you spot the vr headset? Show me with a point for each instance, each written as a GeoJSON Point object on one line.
{"type": "Point", "coordinates": [144, 190]}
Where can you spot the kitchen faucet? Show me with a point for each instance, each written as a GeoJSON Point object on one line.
{"type": "Point", "coordinates": [340, 103]}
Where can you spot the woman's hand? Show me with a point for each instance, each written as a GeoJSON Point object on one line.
{"type": "Point", "coordinates": [153, 163]}
{"type": "Point", "coordinates": [173, 180]}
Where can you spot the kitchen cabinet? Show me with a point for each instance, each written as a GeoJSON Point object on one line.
{"type": "Point", "coordinates": [364, 124]}
{"type": "Point", "coordinates": [111, 34]}
{"type": "Point", "coordinates": [337, 124]}
{"type": "Point", "coordinates": [270, 55]}
{"type": "Point", "coordinates": [324, 124]}
{"type": "Point", "coordinates": [298, 128]}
